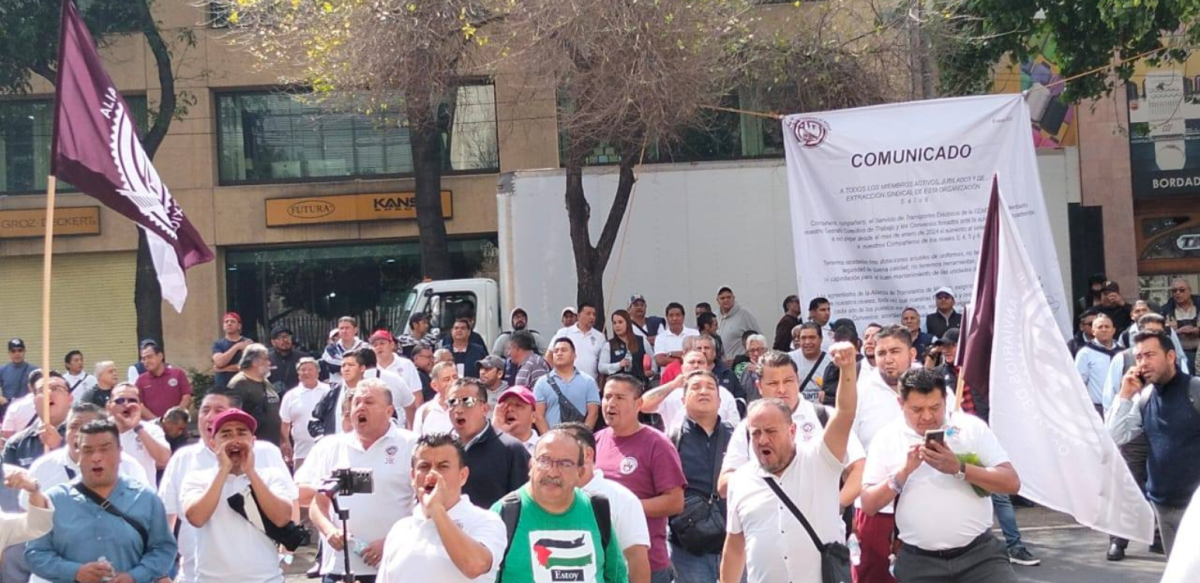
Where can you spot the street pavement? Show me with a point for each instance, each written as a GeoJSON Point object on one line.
{"type": "Point", "coordinates": [1070, 554]}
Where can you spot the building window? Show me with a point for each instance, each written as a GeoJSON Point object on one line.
{"type": "Point", "coordinates": [718, 135]}
{"type": "Point", "coordinates": [308, 288]}
{"type": "Point", "coordinates": [26, 130]}
{"type": "Point", "coordinates": [272, 136]}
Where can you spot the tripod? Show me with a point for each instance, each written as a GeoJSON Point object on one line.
{"type": "Point", "coordinates": [344, 515]}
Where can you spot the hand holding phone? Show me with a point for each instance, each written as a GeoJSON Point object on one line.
{"type": "Point", "coordinates": [938, 435]}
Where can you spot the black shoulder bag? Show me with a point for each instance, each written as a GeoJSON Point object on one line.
{"type": "Point", "coordinates": [700, 528]}
{"type": "Point", "coordinates": [835, 557]}
{"type": "Point", "coordinates": [567, 412]}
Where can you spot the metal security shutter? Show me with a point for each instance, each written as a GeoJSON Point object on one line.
{"type": "Point", "coordinates": [91, 307]}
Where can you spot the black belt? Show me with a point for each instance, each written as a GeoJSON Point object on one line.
{"type": "Point", "coordinates": [948, 553]}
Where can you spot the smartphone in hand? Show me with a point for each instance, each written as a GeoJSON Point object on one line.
{"type": "Point", "coordinates": [938, 435]}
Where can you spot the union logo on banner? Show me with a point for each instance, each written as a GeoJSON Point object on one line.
{"type": "Point", "coordinates": [809, 131]}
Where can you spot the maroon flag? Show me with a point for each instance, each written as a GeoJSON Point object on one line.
{"type": "Point", "coordinates": [96, 148]}
{"type": "Point", "coordinates": [975, 350]}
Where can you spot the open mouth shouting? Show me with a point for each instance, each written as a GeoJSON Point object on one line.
{"type": "Point", "coordinates": [460, 420]}
{"type": "Point", "coordinates": [236, 452]}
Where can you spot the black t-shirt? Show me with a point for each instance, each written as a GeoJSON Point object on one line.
{"type": "Point", "coordinates": [470, 359]}
{"type": "Point", "coordinates": [284, 375]}
{"type": "Point", "coordinates": [221, 379]}
{"type": "Point", "coordinates": [427, 391]}
{"type": "Point", "coordinates": [260, 400]}
{"type": "Point", "coordinates": [97, 396]}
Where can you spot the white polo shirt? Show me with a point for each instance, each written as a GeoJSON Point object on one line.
{"type": "Point", "coordinates": [192, 459]}
{"type": "Point", "coordinates": [371, 515]}
{"type": "Point", "coordinates": [57, 467]}
{"type": "Point", "coordinates": [628, 518]}
{"type": "Point", "coordinates": [407, 371]}
{"type": "Point", "coordinates": [20, 414]}
{"type": "Point", "coordinates": [808, 430]}
{"type": "Point", "coordinates": [777, 546]}
{"type": "Point", "coordinates": [878, 405]}
{"type": "Point", "coordinates": [673, 410]}
{"type": "Point", "coordinates": [228, 546]}
{"type": "Point", "coordinates": [432, 418]}
{"type": "Point", "coordinates": [402, 393]}
{"type": "Point", "coordinates": [930, 496]}
{"type": "Point", "coordinates": [668, 341]}
{"type": "Point", "coordinates": [296, 408]}
{"type": "Point", "coordinates": [414, 551]}
{"type": "Point", "coordinates": [79, 383]}
{"type": "Point", "coordinates": [131, 443]}
{"type": "Point", "coordinates": [588, 348]}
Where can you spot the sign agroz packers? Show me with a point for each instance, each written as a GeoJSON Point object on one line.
{"type": "Point", "coordinates": [346, 208]}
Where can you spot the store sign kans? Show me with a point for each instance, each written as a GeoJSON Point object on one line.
{"type": "Point", "coordinates": [346, 208]}
{"type": "Point", "coordinates": [76, 220]}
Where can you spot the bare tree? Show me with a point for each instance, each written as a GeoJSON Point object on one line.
{"type": "Point", "coordinates": [395, 59]}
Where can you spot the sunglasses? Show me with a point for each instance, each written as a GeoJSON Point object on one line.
{"type": "Point", "coordinates": [466, 403]}
{"type": "Point", "coordinates": [126, 401]}
{"type": "Point", "coordinates": [1178, 290]}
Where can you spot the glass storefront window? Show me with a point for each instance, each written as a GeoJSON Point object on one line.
{"type": "Point", "coordinates": [273, 136]}
{"type": "Point", "coordinates": [308, 288]}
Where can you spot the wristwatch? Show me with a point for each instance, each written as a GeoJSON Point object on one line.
{"type": "Point", "coordinates": [962, 472]}
{"type": "Point", "coordinates": [138, 428]}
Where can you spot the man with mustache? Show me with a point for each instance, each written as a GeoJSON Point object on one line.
{"type": "Point", "coordinates": [447, 539]}
{"type": "Point", "coordinates": [376, 444]}
{"type": "Point", "coordinates": [134, 546]}
{"type": "Point", "coordinates": [230, 546]}
{"type": "Point", "coordinates": [556, 531]}
{"type": "Point", "coordinates": [498, 461]}
{"type": "Point", "coordinates": [145, 442]}
{"type": "Point", "coordinates": [202, 457]}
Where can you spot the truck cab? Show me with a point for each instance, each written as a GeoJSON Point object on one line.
{"type": "Point", "coordinates": [443, 301]}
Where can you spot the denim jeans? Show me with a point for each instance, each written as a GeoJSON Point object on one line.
{"type": "Point", "coordinates": [1007, 517]}
{"type": "Point", "coordinates": [692, 569]}
{"type": "Point", "coordinates": [663, 576]}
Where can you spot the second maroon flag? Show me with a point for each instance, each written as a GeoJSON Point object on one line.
{"type": "Point", "coordinates": [96, 148]}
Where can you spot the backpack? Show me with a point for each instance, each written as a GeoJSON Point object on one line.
{"type": "Point", "coordinates": [510, 513]}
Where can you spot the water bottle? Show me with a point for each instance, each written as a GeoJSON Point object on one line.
{"type": "Point", "coordinates": [111, 571]}
{"type": "Point", "coordinates": [357, 546]}
{"type": "Point", "coordinates": [855, 550]}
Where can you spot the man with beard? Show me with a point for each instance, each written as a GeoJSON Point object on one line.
{"type": "Point", "coordinates": [514, 415]}
{"type": "Point", "coordinates": [945, 526]}
{"type": "Point", "coordinates": [145, 442]}
{"type": "Point", "coordinates": [447, 539]}
{"type": "Point", "coordinates": [499, 462]}
{"type": "Point", "coordinates": [199, 458]}
{"type": "Point", "coordinates": [519, 320]}
{"type": "Point", "coordinates": [553, 523]}
{"type": "Point", "coordinates": [375, 444]}
{"type": "Point", "coordinates": [136, 546]}
{"type": "Point", "coordinates": [284, 358]}
{"type": "Point", "coordinates": [765, 536]}
{"type": "Point", "coordinates": [219, 503]}
{"type": "Point", "coordinates": [258, 396]}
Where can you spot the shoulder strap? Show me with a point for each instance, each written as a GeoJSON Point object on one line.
{"type": "Point", "coordinates": [510, 513]}
{"type": "Point", "coordinates": [107, 506]}
{"type": "Point", "coordinates": [603, 514]}
{"type": "Point", "coordinates": [795, 512]}
{"type": "Point", "coordinates": [563, 401]}
{"type": "Point", "coordinates": [812, 371]}
{"type": "Point", "coordinates": [822, 414]}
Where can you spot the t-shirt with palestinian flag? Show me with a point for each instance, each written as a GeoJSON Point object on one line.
{"type": "Point", "coordinates": [548, 548]}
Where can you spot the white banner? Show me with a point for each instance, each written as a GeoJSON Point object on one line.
{"type": "Point", "coordinates": [1041, 411]}
{"type": "Point", "coordinates": [888, 202]}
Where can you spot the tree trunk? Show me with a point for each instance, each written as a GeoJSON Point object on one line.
{"type": "Point", "coordinates": [591, 261]}
{"type": "Point", "coordinates": [147, 295]}
{"type": "Point", "coordinates": [427, 169]}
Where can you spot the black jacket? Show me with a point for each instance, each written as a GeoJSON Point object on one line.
{"type": "Point", "coordinates": [499, 465]}
{"type": "Point", "coordinates": [936, 324]}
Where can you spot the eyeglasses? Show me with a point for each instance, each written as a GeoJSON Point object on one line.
{"type": "Point", "coordinates": [466, 402]}
{"type": "Point", "coordinates": [546, 462]}
{"type": "Point", "coordinates": [1178, 290]}
{"type": "Point", "coordinates": [54, 389]}
{"type": "Point", "coordinates": [126, 401]}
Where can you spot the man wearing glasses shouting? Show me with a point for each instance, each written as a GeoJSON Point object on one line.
{"type": "Point", "coordinates": [145, 442]}
{"type": "Point", "coordinates": [499, 463]}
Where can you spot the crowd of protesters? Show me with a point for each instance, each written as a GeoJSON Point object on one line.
{"type": "Point", "coordinates": [658, 452]}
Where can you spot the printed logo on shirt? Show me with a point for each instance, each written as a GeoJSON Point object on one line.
{"type": "Point", "coordinates": [562, 555]}
{"type": "Point", "coordinates": [629, 465]}
{"type": "Point", "coordinates": [173, 383]}
{"type": "Point", "coordinates": [391, 454]}
{"type": "Point", "coordinates": [808, 429]}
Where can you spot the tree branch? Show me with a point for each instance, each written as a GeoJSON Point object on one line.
{"type": "Point", "coordinates": [166, 81]}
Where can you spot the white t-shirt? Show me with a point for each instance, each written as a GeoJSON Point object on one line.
{"type": "Point", "coordinates": [927, 489]}
{"type": "Point", "coordinates": [228, 546]}
{"type": "Point", "coordinates": [407, 371]}
{"type": "Point", "coordinates": [19, 415]}
{"type": "Point", "coordinates": [131, 443]}
{"type": "Point", "coordinates": [667, 341]}
{"type": "Point", "coordinates": [673, 410]}
{"type": "Point", "coordinates": [528, 443]}
{"type": "Point", "coordinates": [51, 470]}
{"type": "Point", "coordinates": [432, 418]}
{"type": "Point", "coordinates": [402, 393]}
{"type": "Point", "coordinates": [296, 408]}
{"type": "Point", "coordinates": [628, 518]}
{"type": "Point", "coordinates": [414, 550]}
{"type": "Point", "coordinates": [811, 390]}
{"type": "Point", "coordinates": [777, 546]}
{"type": "Point", "coordinates": [371, 515]}
{"type": "Point", "coordinates": [808, 430]}
{"type": "Point", "coordinates": [878, 405]}
{"type": "Point", "coordinates": [192, 459]}
{"type": "Point", "coordinates": [79, 383]}
{"type": "Point", "coordinates": [588, 348]}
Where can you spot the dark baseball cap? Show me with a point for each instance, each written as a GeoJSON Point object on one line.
{"type": "Point", "coordinates": [280, 331]}
{"type": "Point", "coordinates": [16, 343]}
{"type": "Point", "coordinates": [635, 298]}
{"type": "Point", "coordinates": [147, 342]}
{"type": "Point", "coordinates": [491, 362]}
{"type": "Point", "coordinates": [418, 317]}
{"type": "Point", "coordinates": [1110, 286]}
{"type": "Point", "coordinates": [949, 337]}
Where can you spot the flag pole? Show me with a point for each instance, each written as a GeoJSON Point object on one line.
{"type": "Point", "coordinates": [51, 186]}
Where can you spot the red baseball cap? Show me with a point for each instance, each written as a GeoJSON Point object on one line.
{"type": "Point", "coordinates": [381, 335]}
{"type": "Point", "coordinates": [233, 315]}
{"type": "Point", "coordinates": [233, 415]}
{"type": "Point", "coordinates": [522, 393]}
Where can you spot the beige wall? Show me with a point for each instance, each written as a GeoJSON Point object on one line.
{"type": "Point", "coordinates": [1106, 182]}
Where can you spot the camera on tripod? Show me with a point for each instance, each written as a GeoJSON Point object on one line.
{"type": "Point", "coordinates": [347, 482]}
